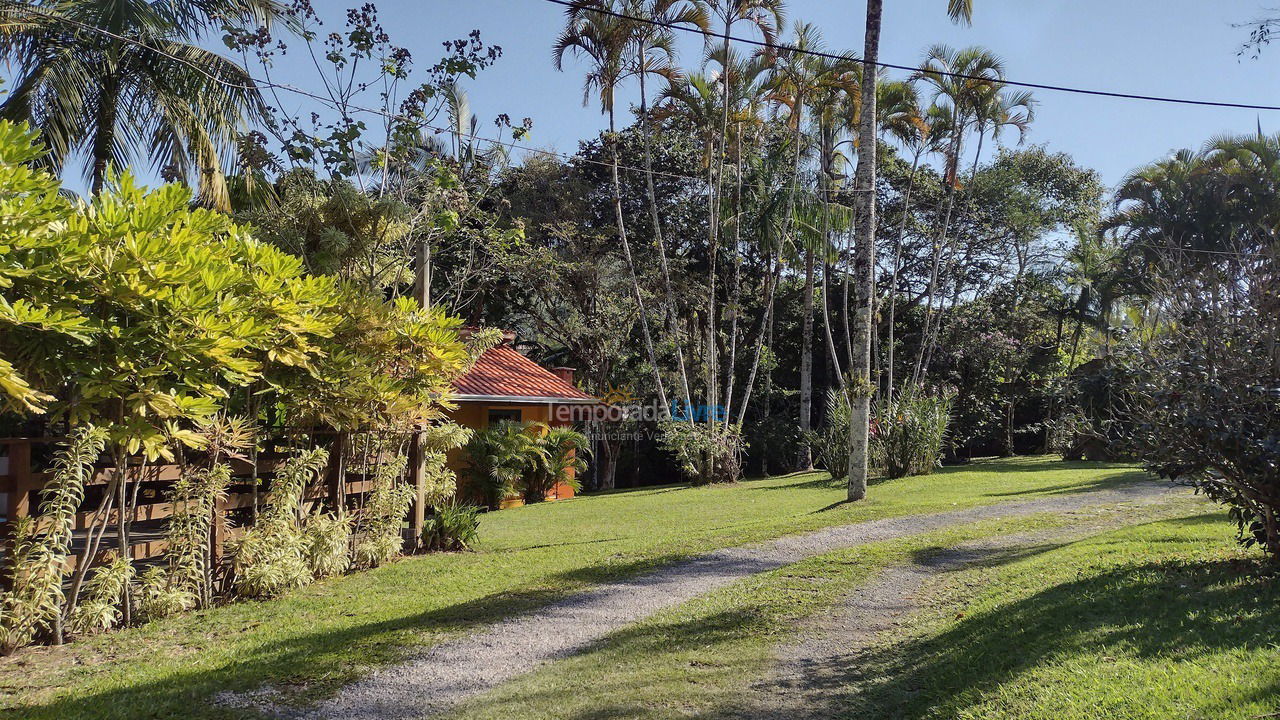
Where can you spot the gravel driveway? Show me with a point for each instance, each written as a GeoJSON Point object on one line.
{"type": "Point", "coordinates": [443, 675]}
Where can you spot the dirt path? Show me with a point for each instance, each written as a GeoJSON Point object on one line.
{"type": "Point", "coordinates": [810, 676]}
{"type": "Point", "coordinates": [445, 674]}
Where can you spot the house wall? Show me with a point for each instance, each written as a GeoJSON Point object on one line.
{"type": "Point", "coordinates": [475, 415]}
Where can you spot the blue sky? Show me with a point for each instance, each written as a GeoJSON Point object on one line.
{"type": "Point", "coordinates": [1160, 47]}
{"type": "Point", "coordinates": [1185, 48]}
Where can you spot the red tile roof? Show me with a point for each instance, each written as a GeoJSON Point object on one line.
{"type": "Point", "coordinates": [503, 373]}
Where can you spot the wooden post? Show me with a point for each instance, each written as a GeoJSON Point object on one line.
{"type": "Point", "coordinates": [338, 474]}
{"type": "Point", "coordinates": [418, 473]}
{"type": "Point", "coordinates": [21, 484]}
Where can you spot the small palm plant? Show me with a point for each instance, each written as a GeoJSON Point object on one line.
{"type": "Point", "coordinates": [562, 461]}
{"type": "Point", "coordinates": [500, 458]}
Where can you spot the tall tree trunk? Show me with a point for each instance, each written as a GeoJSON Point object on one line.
{"type": "Point", "coordinates": [763, 338]}
{"type": "Point", "coordinates": [865, 261]}
{"type": "Point", "coordinates": [731, 373]}
{"type": "Point", "coordinates": [631, 265]}
{"type": "Point", "coordinates": [833, 359]}
{"type": "Point", "coordinates": [805, 459]}
{"type": "Point", "coordinates": [951, 266]}
{"type": "Point", "coordinates": [893, 282]}
{"type": "Point", "coordinates": [917, 374]}
{"type": "Point", "coordinates": [105, 133]}
{"type": "Point", "coordinates": [668, 293]}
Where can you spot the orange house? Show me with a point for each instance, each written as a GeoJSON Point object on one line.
{"type": "Point", "coordinates": [505, 385]}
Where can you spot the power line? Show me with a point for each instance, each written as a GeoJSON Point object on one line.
{"type": "Point", "coordinates": [331, 103]}
{"type": "Point", "coordinates": [580, 5]}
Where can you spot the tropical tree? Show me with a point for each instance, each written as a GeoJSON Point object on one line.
{"type": "Point", "coordinates": [797, 76]}
{"type": "Point", "coordinates": [124, 79]}
{"type": "Point", "coordinates": [864, 263]}
{"type": "Point", "coordinates": [965, 82]}
{"type": "Point", "coordinates": [654, 47]}
{"type": "Point", "coordinates": [606, 42]}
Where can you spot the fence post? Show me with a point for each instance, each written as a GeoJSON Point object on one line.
{"type": "Point", "coordinates": [418, 472]}
{"type": "Point", "coordinates": [21, 484]}
{"type": "Point", "coordinates": [338, 474]}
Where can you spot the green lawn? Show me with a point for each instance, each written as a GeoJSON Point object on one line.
{"type": "Point", "coordinates": [1164, 619]}
{"type": "Point", "coordinates": [327, 634]}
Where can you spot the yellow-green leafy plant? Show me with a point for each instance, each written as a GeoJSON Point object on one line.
{"type": "Point", "coordinates": [37, 559]}
{"type": "Point", "coordinates": [562, 461]}
{"type": "Point", "coordinates": [158, 596]}
{"type": "Point", "coordinates": [194, 496]}
{"type": "Point", "coordinates": [379, 523]}
{"type": "Point", "coordinates": [269, 558]}
{"type": "Point", "coordinates": [326, 542]}
{"type": "Point", "coordinates": [104, 593]}
{"type": "Point", "coordinates": [440, 483]}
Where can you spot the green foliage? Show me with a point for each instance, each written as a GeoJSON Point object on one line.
{"type": "Point", "coordinates": [143, 311]}
{"type": "Point", "coordinates": [439, 481]}
{"type": "Point", "coordinates": [561, 462]}
{"type": "Point", "coordinates": [338, 229]}
{"type": "Point", "coordinates": [378, 525]}
{"type": "Point", "coordinates": [135, 81]}
{"type": "Point", "coordinates": [831, 443]}
{"type": "Point", "coordinates": [500, 456]}
{"type": "Point", "coordinates": [326, 543]}
{"type": "Point", "coordinates": [1205, 400]}
{"type": "Point", "coordinates": [909, 430]}
{"type": "Point", "coordinates": [706, 452]}
{"type": "Point", "coordinates": [32, 596]}
{"type": "Point", "coordinates": [269, 558]}
{"type": "Point", "coordinates": [194, 497]}
{"type": "Point", "coordinates": [453, 526]}
{"type": "Point", "coordinates": [98, 609]}
{"type": "Point", "coordinates": [158, 596]}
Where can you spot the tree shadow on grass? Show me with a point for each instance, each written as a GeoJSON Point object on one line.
{"type": "Point", "coordinates": [663, 662]}
{"type": "Point", "coordinates": [1169, 611]}
{"type": "Point", "coordinates": [307, 667]}
{"type": "Point", "coordinates": [1110, 482]}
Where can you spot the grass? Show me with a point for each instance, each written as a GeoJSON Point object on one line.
{"type": "Point", "coordinates": [1163, 620]}
{"type": "Point", "coordinates": [698, 659]}
{"type": "Point", "coordinates": [329, 633]}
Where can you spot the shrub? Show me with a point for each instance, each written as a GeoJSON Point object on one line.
{"type": "Point", "coordinates": [326, 545]}
{"type": "Point", "coordinates": [269, 558]}
{"type": "Point", "coordinates": [1206, 398]}
{"type": "Point", "coordinates": [453, 527]}
{"type": "Point", "coordinates": [378, 524]}
{"type": "Point", "coordinates": [103, 594]}
{"type": "Point", "coordinates": [499, 458]}
{"type": "Point", "coordinates": [158, 596]}
{"type": "Point", "coordinates": [194, 497]}
{"type": "Point", "coordinates": [909, 430]}
{"type": "Point", "coordinates": [706, 452]}
{"type": "Point", "coordinates": [831, 444]}
{"type": "Point", "coordinates": [560, 462]}
{"type": "Point", "coordinates": [35, 564]}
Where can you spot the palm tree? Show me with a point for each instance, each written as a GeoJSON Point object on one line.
{"type": "Point", "coordinates": [864, 265]}
{"type": "Point", "coordinates": [928, 134]}
{"type": "Point", "coordinates": [766, 16]}
{"type": "Point", "coordinates": [965, 82]}
{"type": "Point", "coordinates": [653, 45]}
{"type": "Point", "coordinates": [606, 41]}
{"type": "Point", "coordinates": [119, 79]}
{"type": "Point", "coordinates": [897, 105]}
{"type": "Point", "coordinates": [797, 75]}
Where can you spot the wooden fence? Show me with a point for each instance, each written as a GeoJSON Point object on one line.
{"type": "Point", "coordinates": [342, 489]}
